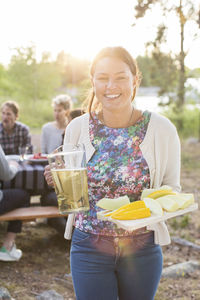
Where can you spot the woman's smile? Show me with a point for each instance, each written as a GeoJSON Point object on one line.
{"type": "Point", "coordinates": [112, 96]}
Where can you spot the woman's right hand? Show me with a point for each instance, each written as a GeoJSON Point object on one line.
{"type": "Point", "coordinates": [48, 176]}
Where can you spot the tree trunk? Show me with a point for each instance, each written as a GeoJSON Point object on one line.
{"type": "Point", "coordinates": [181, 86]}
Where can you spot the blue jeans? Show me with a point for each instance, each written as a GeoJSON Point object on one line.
{"type": "Point", "coordinates": [110, 268]}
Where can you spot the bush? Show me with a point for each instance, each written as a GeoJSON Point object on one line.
{"type": "Point", "coordinates": [191, 121]}
{"type": "Point", "coordinates": [36, 113]}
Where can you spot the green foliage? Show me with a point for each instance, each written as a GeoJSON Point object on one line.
{"type": "Point", "coordinates": [33, 84]}
{"type": "Point", "coordinates": [83, 89]}
{"type": "Point", "coordinates": [5, 84]}
{"type": "Point", "coordinates": [146, 66]}
{"type": "Point", "coordinates": [184, 222]}
{"type": "Point", "coordinates": [34, 114]}
{"type": "Point", "coordinates": [32, 80]}
{"type": "Point", "coordinates": [190, 119]}
{"type": "Point", "coordinates": [166, 73]}
{"type": "Point", "coordinates": [159, 69]}
{"type": "Point", "coordinates": [187, 12]}
{"type": "Point", "coordinates": [41, 112]}
{"type": "Point", "coordinates": [180, 222]}
{"type": "Point", "coordinates": [190, 161]}
{"type": "Point", "coordinates": [72, 70]}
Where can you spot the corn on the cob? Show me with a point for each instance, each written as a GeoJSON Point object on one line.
{"type": "Point", "coordinates": [160, 193]}
{"type": "Point", "coordinates": [133, 205]}
{"type": "Point", "coordinates": [134, 214]}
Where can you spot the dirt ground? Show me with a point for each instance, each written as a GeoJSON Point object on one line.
{"type": "Point", "coordinates": [45, 261]}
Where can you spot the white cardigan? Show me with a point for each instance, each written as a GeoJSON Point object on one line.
{"type": "Point", "coordinates": [161, 150]}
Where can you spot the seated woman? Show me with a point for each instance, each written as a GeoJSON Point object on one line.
{"type": "Point", "coordinates": [51, 137]}
{"type": "Point", "coordinates": [9, 200]}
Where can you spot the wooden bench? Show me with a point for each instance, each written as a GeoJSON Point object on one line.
{"type": "Point", "coordinates": [31, 213]}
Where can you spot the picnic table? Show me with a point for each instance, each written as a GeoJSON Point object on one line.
{"type": "Point", "coordinates": [30, 176]}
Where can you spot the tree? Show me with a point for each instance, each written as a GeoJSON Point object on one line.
{"type": "Point", "coordinates": [187, 11]}
{"type": "Point", "coordinates": [33, 80]}
{"type": "Point", "coordinates": [72, 69]}
{"type": "Point", "coordinates": [159, 69]}
{"type": "Point", "coordinates": [6, 87]}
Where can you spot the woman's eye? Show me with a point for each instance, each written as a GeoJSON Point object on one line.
{"type": "Point", "coordinates": [121, 78]}
{"type": "Point", "coordinates": [102, 79]}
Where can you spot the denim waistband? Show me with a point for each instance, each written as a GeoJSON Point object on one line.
{"type": "Point", "coordinates": [114, 245]}
{"type": "Point", "coordinates": [145, 234]}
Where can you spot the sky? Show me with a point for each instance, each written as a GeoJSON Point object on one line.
{"type": "Point", "coordinates": [82, 28]}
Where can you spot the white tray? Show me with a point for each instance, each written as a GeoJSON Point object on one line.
{"type": "Point", "coordinates": [135, 224]}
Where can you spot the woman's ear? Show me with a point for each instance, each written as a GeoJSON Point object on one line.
{"type": "Point", "coordinates": [135, 80]}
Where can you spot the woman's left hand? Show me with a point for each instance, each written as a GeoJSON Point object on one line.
{"type": "Point", "coordinates": [48, 176]}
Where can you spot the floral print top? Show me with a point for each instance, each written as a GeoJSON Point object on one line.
{"type": "Point", "coordinates": [117, 168]}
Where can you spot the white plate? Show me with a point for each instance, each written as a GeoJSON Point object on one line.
{"type": "Point", "coordinates": [30, 158]}
{"type": "Point", "coordinates": [13, 157]}
{"type": "Point", "coordinates": [139, 223]}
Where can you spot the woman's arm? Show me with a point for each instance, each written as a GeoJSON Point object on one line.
{"type": "Point", "coordinates": [173, 166]}
{"type": "Point", "coordinates": [7, 170]}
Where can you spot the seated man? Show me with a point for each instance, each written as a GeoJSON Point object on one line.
{"type": "Point", "coordinates": [13, 134]}
{"type": "Point", "coordinates": [9, 200]}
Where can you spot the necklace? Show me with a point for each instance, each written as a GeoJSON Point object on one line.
{"type": "Point", "coordinates": [128, 123]}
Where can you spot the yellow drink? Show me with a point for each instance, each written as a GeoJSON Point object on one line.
{"type": "Point", "coordinates": [71, 189]}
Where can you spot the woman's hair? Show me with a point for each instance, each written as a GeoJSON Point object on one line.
{"type": "Point", "coordinates": [64, 100]}
{"type": "Point", "coordinates": [12, 105]}
{"type": "Point", "coordinates": [115, 52]}
{"type": "Point", "coordinates": [76, 113]}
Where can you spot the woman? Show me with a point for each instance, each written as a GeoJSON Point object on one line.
{"type": "Point", "coordinates": [9, 200]}
{"type": "Point", "coordinates": [52, 132]}
{"type": "Point", "coordinates": [127, 151]}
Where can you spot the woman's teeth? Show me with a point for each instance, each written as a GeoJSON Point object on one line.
{"type": "Point", "coordinates": [112, 96]}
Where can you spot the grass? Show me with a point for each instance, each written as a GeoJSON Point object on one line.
{"type": "Point", "coordinates": [190, 156]}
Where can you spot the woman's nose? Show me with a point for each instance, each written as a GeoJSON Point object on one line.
{"type": "Point", "coordinates": [110, 83]}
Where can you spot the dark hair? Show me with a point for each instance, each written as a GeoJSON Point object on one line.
{"type": "Point", "coordinates": [76, 113]}
{"type": "Point", "coordinates": [116, 52]}
{"type": "Point", "coordinates": [73, 114]}
{"type": "Point", "coordinates": [12, 105]}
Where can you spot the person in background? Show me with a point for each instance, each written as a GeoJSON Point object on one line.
{"type": "Point", "coordinates": [13, 134]}
{"type": "Point", "coordinates": [127, 150]}
{"type": "Point", "coordinates": [9, 200]}
{"type": "Point", "coordinates": [77, 112]}
{"type": "Point", "coordinates": [74, 113]}
{"type": "Point", "coordinates": [51, 137]}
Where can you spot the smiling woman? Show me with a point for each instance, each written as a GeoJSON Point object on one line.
{"type": "Point", "coordinates": [123, 146]}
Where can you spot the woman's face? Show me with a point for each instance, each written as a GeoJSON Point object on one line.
{"type": "Point", "coordinates": [59, 112]}
{"type": "Point", "coordinates": [113, 83]}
